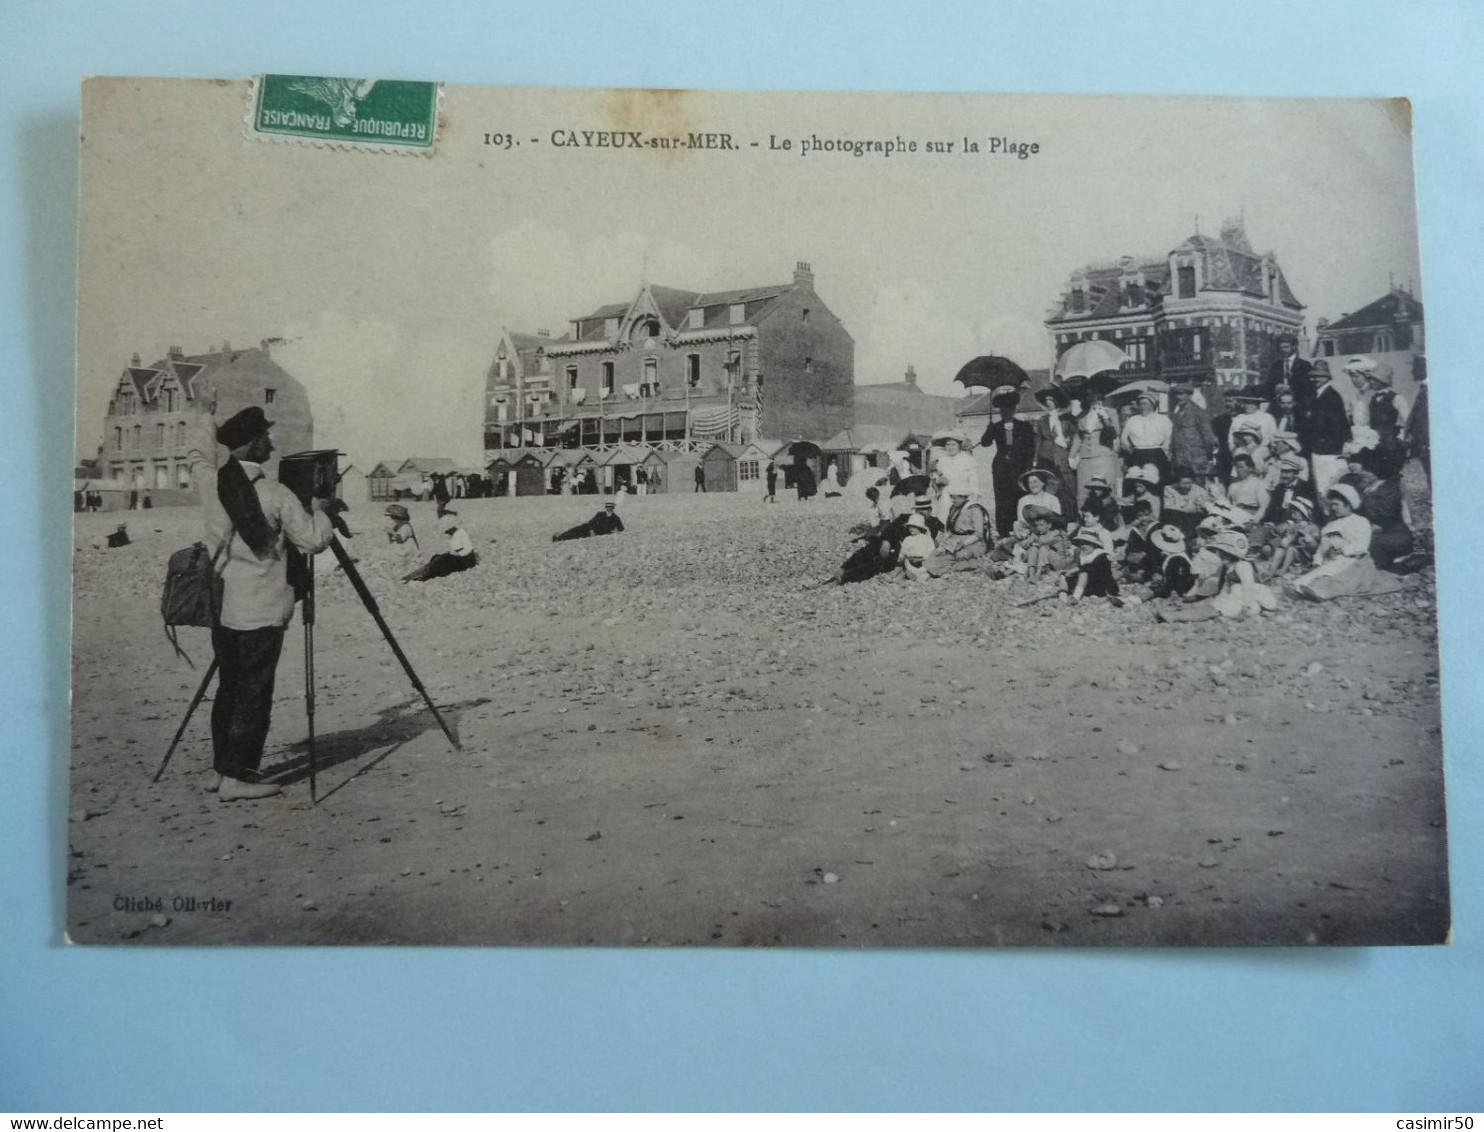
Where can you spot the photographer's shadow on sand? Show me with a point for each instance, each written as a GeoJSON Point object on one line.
{"type": "Point", "coordinates": [392, 729]}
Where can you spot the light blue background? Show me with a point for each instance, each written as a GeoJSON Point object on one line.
{"type": "Point", "coordinates": [149, 1030]}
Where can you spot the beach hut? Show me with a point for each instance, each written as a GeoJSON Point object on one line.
{"type": "Point", "coordinates": [528, 472]}
{"type": "Point", "coordinates": [619, 466]}
{"type": "Point", "coordinates": [719, 464]}
{"type": "Point", "coordinates": [752, 464]}
{"type": "Point", "coordinates": [379, 481]}
{"type": "Point", "coordinates": [671, 473]}
{"type": "Point", "coordinates": [501, 471]}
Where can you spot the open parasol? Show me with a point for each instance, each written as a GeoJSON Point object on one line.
{"type": "Point", "coordinates": [990, 370]}
{"type": "Point", "coordinates": [1144, 385]}
{"type": "Point", "coordinates": [1087, 359]}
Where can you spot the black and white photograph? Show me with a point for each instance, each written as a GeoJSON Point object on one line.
{"type": "Point", "coordinates": [656, 518]}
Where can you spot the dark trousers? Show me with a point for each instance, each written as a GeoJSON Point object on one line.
{"type": "Point", "coordinates": [247, 661]}
{"type": "Point", "coordinates": [442, 565]}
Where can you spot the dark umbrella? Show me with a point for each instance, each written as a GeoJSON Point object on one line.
{"type": "Point", "coordinates": [912, 485]}
{"type": "Point", "coordinates": [803, 449]}
{"type": "Point", "coordinates": [990, 370]}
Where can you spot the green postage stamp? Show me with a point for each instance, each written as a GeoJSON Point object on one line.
{"type": "Point", "coordinates": [387, 114]}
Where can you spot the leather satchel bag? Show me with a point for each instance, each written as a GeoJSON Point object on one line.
{"type": "Point", "coordinates": [193, 591]}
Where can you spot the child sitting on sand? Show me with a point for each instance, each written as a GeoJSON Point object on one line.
{"type": "Point", "coordinates": [1344, 555]}
{"type": "Point", "coordinates": [1140, 561]}
{"type": "Point", "coordinates": [1173, 576]}
{"type": "Point", "coordinates": [1047, 548]}
{"type": "Point", "coordinates": [1238, 592]}
{"type": "Point", "coordinates": [1092, 576]}
{"type": "Point", "coordinates": [1141, 485]}
{"type": "Point", "coordinates": [1289, 545]}
{"type": "Point", "coordinates": [916, 549]}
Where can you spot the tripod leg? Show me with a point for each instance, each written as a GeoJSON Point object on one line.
{"type": "Point", "coordinates": [309, 707]}
{"type": "Point", "coordinates": [371, 607]}
{"type": "Point", "coordinates": [190, 711]}
{"type": "Point", "coordinates": [308, 609]}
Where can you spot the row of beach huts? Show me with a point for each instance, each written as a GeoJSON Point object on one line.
{"type": "Point", "coordinates": [650, 470]}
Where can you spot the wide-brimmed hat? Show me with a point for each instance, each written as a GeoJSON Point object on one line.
{"type": "Point", "coordinates": [916, 522]}
{"type": "Point", "coordinates": [1319, 367]}
{"type": "Point", "coordinates": [1247, 430]}
{"type": "Point", "coordinates": [1360, 365]}
{"type": "Point", "coordinates": [1036, 511]}
{"type": "Point", "coordinates": [1146, 395]}
{"type": "Point", "coordinates": [1289, 438]}
{"type": "Point", "coordinates": [1092, 536]}
{"type": "Point", "coordinates": [1230, 516]}
{"type": "Point", "coordinates": [398, 512]}
{"type": "Point", "coordinates": [1292, 462]}
{"type": "Point", "coordinates": [1300, 504]}
{"type": "Point", "coordinates": [1055, 394]}
{"type": "Point", "coordinates": [1381, 374]}
{"type": "Point", "coordinates": [1211, 524]}
{"type": "Point", "coordinates": [1245, 396]}
{"type": "Point", "coordinates": [923, 503]}
{"type": "Point", "coordinates": [943, 435]}
{"type": "Point", "coordinates": [1047, 477]}
{"type": "Point", "coordinates": [1229, 542]}
{"type": "Point", "coordinates": [1168, 539]}
{"type": "Point", "coordinates": [1099, 483]}
{"type": "Point", "coordinates": [1345, 492]}
{"type": "Point", "coordinates": [1182, 387]}
{"type": "Point", "coordinates": [242, 427]}
{"type": "Point", "coordinates": [1142, 473]}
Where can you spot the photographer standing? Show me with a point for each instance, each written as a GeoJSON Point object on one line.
{"type": "Point", "coordinates": [255, 518]}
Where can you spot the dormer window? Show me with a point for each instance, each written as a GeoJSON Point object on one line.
{"type": "Point", "coordinates": [610, 328]}
{"type": "Point", "coordinates": [695, 318]}
{"type": "Point", "coordinates": [1079, 300]}
{"type": "Point", "coordinates": [737, 314]}
{"type": "Point", "coordinates": [1185, 281]}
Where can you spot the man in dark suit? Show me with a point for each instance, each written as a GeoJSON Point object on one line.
{"type": "Point", "coordinates": [1291, 372]}
{"type": "Point", "coordinates": [1015, 453]}
{"type": "Point", "coordinates": [1324, 430]}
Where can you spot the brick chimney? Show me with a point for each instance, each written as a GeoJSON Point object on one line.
{"type": "Point", "coordinates": [911, 377]}
{"type": "Point", "coordinates": [543, 333]}
{"type": "Point", "coordinates": [226, 346]}
{"type": "Point", "coordinates": [803, 275]}
{"type": "Point", "coordinates": [176, 353]}
{"type": "Point", "coordinates": [134, 361]}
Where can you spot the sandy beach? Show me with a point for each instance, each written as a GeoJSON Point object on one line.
{"type": "Point", "coordinates": [668, 741]}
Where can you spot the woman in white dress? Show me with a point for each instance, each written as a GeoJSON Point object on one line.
{"type": "Point", "coordinates": [1345, 567]}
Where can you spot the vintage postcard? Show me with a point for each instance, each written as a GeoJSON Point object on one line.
{"type": "Point", "coordinates": [651, 517]}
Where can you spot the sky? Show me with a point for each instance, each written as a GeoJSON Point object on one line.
{"type": "Point", "coordinates": [390, 276]}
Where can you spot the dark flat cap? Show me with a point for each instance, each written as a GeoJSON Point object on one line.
{"type": "Point", "coordinates": [242, 427]}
